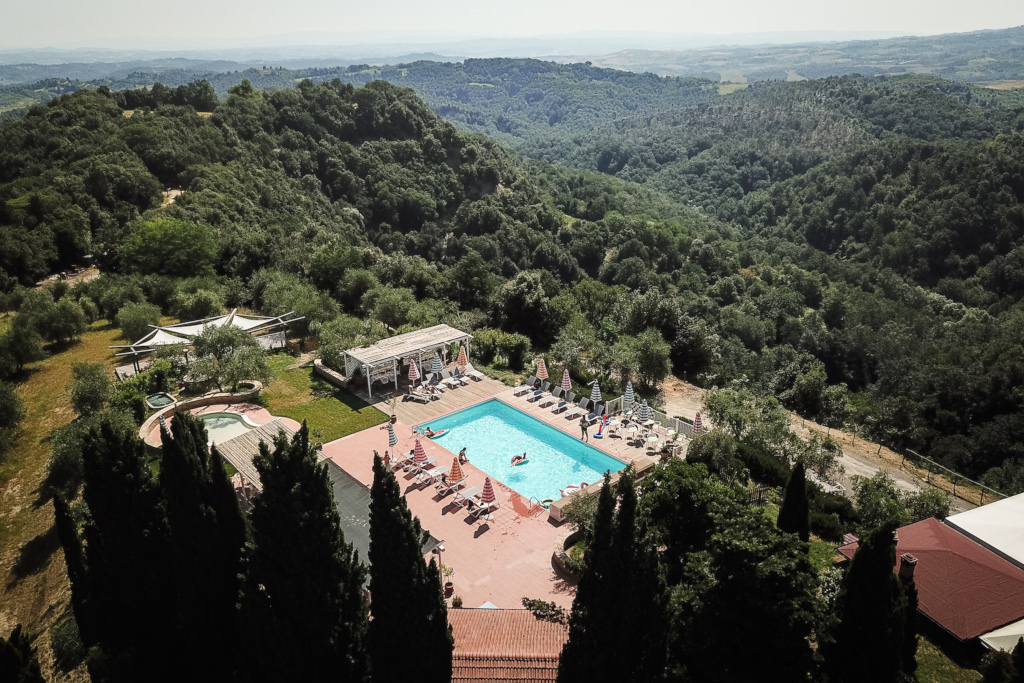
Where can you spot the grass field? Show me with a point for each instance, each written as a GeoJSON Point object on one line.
{"type": "Point", "coordinates": [33, 579]}
{"type": "Point", "coordinates": [330, 412]}
{"type": "Point", "coordinates": [933, 666]}
{"type": "Point", "coordinates": [729, 88]}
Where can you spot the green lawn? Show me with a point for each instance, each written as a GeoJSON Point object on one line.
{"type": "Point", "coordinates": [933, 666]}
{"type": "Point", "coordinates": [330, 412]}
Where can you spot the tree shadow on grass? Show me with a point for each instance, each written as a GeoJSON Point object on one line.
{"type": "Point", "coordinates": [35, 555]}
{"type": "Point", "coordinates": [322, 389]}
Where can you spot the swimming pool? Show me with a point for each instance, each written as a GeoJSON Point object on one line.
{"type": "Point", "coordinates": [493, 431]}
{"type": "Point", "coordinates": [223, 426]}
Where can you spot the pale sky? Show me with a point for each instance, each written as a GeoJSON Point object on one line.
{"type": "Point", "coordinates": [210, 23]}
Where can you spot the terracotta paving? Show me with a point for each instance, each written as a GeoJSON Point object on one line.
{"type": "Point", "coordinates": [500, 561]}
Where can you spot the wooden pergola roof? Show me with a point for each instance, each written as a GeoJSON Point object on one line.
{"type": "Point", "coordinates": [407, 345]}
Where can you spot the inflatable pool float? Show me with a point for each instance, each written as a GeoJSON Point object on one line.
{"type": "Point", "coordinates": [573, 488]}
{"type": "Point", "coordinates": [517, 463]}
{"type": "Point", "coordinates": [600, 429]}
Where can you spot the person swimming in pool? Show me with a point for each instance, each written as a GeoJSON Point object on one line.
{"type": "Point", "coordinates": [518, 459]}
{"type": "Point", "coordinates": [428, 432]}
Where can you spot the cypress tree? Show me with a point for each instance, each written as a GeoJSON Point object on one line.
{"type": "Point", "coordinates": [18, 660]}
{"type": "Point", "coordinates": [908, 651]}
{"type": "Point", "coordinates": [795, 515]}
{"type": "Point", "coordinates": [67, 533]}
{"type": "Point", "coordinates": [405, 591]}
{"type": "Point", "coordinates": [303, 609]}
{"type": "Point", "coordinates": [869, 637]}
{"type": "Point", "coordinates": [207, 535]}
{"type": "Point", "coordinates": [130, 594]}
{"type": "Point", "coordinates": [617, 626]}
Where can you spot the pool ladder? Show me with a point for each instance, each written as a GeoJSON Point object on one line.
{"type": "Point", "coordinates": [534, 501]}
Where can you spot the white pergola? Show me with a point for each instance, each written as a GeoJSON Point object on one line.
{"type": "Point", "coordinates": [381, 359]}
{"type": "Point", "coordinates": [183, 333]}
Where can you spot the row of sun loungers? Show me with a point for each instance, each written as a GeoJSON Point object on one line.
{"type": "Point", "coordinates": [432, 389]}
{"type": "Point", "coordinates": [559, 401]}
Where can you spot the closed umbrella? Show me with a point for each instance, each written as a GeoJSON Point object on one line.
{"type": "Point", "coordinates": [488, 497]}
{"type": "Point", "coordinates": [566, 382]}
{"type": "Point", "coordinates": [698, 426]}
{"type": "Point", "coordinates": [456, 473]}
{"type": "Point", "coordinates": [644, 414]}
{"type": "Point", "coordinates": [436, 367]}
{"type": "Point", "coordinates": [630, 397]}
{"type": "Point", "coordinates": [414, 372]}
{"type": "Point", "coordinates": [392, 437]}
{"type": "Point", "coordinates": [595, 393]}
{"type": "Point", "coordinates": [419, 456]}
{"type": "Point", "coordinates": [462, 361]}
{"type": "Point", "coordinates": [542, 369]}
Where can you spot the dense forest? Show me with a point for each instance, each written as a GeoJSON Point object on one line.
{"type": "Point", "coordinates": [802, 238]}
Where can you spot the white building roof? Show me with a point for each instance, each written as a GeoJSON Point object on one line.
{"type": "Point", "coordinates": [998, 526]}
{"type": "Point", "coordinates": [182, 333]}
{"type": "Point", "coordinates": [1004, 638]}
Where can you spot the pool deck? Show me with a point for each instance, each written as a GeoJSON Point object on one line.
{"type": "Point", "coordinates": [258, 415]}
{"type": "Point", "coordinates": [507, 558]}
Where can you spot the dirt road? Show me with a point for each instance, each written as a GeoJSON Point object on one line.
{"type": "Point", "coordinates": [860, 458]}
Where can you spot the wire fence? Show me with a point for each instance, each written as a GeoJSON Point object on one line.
{"type": "Point", "coordinates": [961, 484]}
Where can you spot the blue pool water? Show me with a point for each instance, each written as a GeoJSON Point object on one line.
{"type": "Point", "coordinates": [493, 431]}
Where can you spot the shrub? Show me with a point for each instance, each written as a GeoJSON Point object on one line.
{"type": "Point", "coordinates": [764, 467]}
{"type": "Point", "coordinates": [515, 348]}
{"type": "Point", "coordinates": [203, 303]}
{"type": "Point", "coordinates": [826, 526]}
{"type": "Point", "coordinates": [12, 412]}
{"type": "Point", "coordinates": [135, 319]}
{"type": "Point", "coordinates": [66, 644]}
{"type": "Point", "coordinates": [90, 388]}
{"type": "Point", "coordinates": [485, 345]}
{"type": "Point", "coordinates": [64, 468]}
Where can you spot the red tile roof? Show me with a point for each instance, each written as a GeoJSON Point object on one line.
{"type": "Point", "coordinates": [504, 645]}
{"type": "Point", "coordinates": [962, 586]}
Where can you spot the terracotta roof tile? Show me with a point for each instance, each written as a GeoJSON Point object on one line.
{"type": "Point", "coordinates": [504, 645]}
{"type": "Point", "coordinates": [962, 586]}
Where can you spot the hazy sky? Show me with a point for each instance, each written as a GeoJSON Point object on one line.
{"type": "Point", "coordinates": [207, 23]}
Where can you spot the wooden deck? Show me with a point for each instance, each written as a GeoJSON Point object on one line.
{"type": "Point", "coordinates": [415, 412]}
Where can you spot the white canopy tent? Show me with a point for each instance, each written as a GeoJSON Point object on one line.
{"type": "Point", "coordinates": [183, 333]}
{"type": "Point", "coordinates": [999, 526]}
{"type": "Point", "coordinates": [380, 360]}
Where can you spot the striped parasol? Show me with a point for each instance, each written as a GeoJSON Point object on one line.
{"type": "Point", "coordinates": [414, 372]}
{"type": "Point", "coordinates": [630, 397]}
{"type": "Point", "coordinates": [595, 393]}
{"type": "Point", "coordinates": [542, 369]}
{"type": "Point", "coordinates": [644, 414]}
{"type": "Point", "coordinates": [436, 367]}
{"type": "Point", "coordinates": [566, 382]}
{"type": "Point", "coordinates": [456, 473]}
{"type": "Point", "coordinates": [419, 456]}
{"type": "Point", "coordinates": [488, 497]}
{"type": "Point", "coordinates": [392, 437]}
{"type": "Point", "coordinates": [462, 361]}
{"type": "Point", "coordinates": [698, 426]}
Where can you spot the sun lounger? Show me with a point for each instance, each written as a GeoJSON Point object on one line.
{"type": "Point", "coordinates": [448, 380]}
{"type": "Point", "coordinates": [552, 399]}
{"type": "Point", "coordinates": [564, 402]}
{"type": "Point", "coordinates": [540, 392]}
{"type": "Point", "coordinates": [525, 386]}
{"type": "Point", "coordinates": [401, 459]}
{"type": "Point", "coordinates": [580, 408]}
{"type": "Point", "coordinates": [465, 496]}
{"type": "Point", "coordinates": [483, 511]}
{"type": "Point", "coordinates": [421, 396]}
{"type": "Point", "coordinates": [418, 468]}
{"type": "Point", "coordinates": [474, 373]}
{"type": "Point", "coordinates": [460, 377]}
{"type": "Point", "coordinates": [428, 477]}
{"type": "Point", "coordinates": [595, 414]}
{"type": "Point", "coordinates": [444, 487]}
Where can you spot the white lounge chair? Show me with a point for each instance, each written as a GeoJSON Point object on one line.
{"type": "Point", "coordinates": [446, 486]}
{"type": "Point", "coordinates": [526, 386]}
{"type": "Point", "coordinates": [580, 408]}
{"type": "Point", "coordinates": [552, 399]}
{"type": "Point", "coordinates": [465, 496]}
{"type": "Point", "coordinates": [596, 413]}
{"type": "Point", "coordinates": [449, 381]}
{"type": "Point", "coordinates": [460, 376]}
{"type": "Point", "coordinates": [564, 403]}
{"type": "Point", "coordinates": [473, 372]}
{"type": "Point", "coordinates": [540, 392]}
{"type": "Point", "coordinates": [482, 511]}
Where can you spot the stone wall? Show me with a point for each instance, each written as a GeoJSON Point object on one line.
{"type": "Point", "coordinates": [335, 378]}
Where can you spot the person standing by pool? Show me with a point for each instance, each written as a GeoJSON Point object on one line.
{"type": "Point", "coordinates": [462, 456]}
{"type": "Point", "coordinates": [583, 428]}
